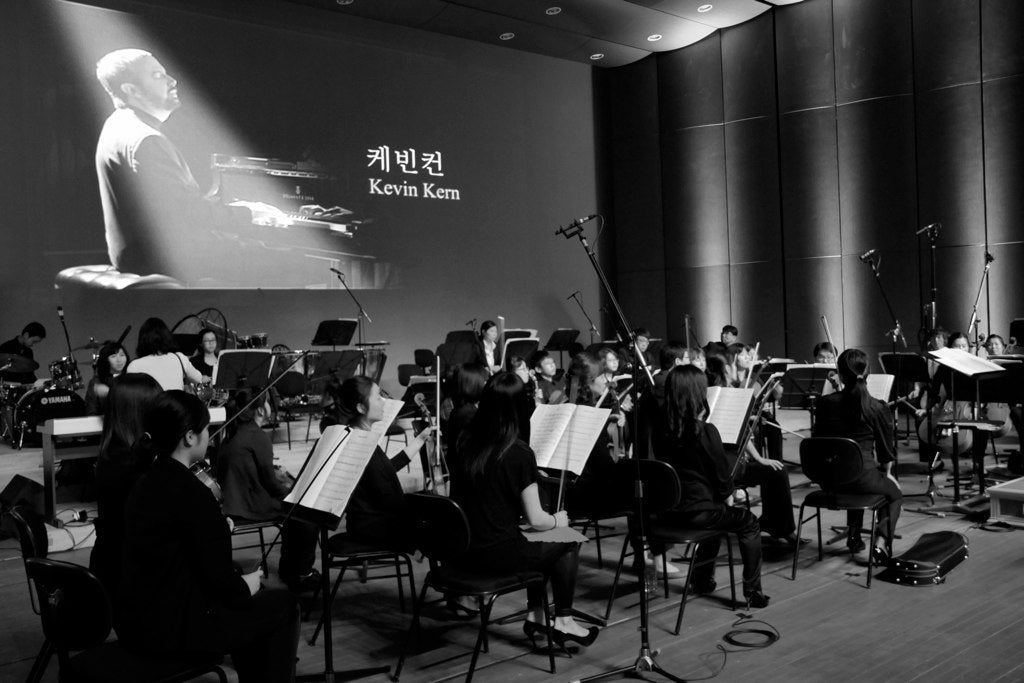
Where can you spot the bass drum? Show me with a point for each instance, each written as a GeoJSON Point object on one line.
{"type": "Point", "coordinates": [39, 405]}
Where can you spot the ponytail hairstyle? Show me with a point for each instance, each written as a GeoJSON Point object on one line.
{"type": "Point", "coordinates": [496, 424]}
{"type": "Point", "coordinates": [237, 412]}
{"type": "Point", "coordinates": [583, 370]}
{"type": "Point", "coordinates": [853, 371]}
{"type": "Point", "coordinates": [169, 417]}
{"type": "Point", "coordinates": [130, 395]}
{"type": "Point", "coordinates": [352, 393]}
{"type": "Point", "coordinates": [686, 397]}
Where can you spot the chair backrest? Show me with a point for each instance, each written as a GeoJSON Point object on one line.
{"type": "Point", "coordinates": [425, 358]}
{"type": "Point", "coordinates": [31, 531]}
{"type": "Point", "coordinates": [440, 527]}
{"type": "Point", "coordinates": [291, 384]}
{"type": "Point", "coordinates": [831, 462]}
{"type": "Point", "coordinates": [75, 610]}
{"type": "Point", "coordinates": [407, 371]}
{"type": "Point", "coordinates": [660, 481]}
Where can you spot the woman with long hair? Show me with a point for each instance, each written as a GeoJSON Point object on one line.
{"type": "Point", "coordinates": [376, 510]}
{"type": "Point", "coordinates": [110, 363]}
{"type": "Point", "coordinates": [468, 381]}
{"type": "Point", "coordinates": [494, 480]}
{"type": "Point", "coordinates": [180, 590]}
{"type": "Point", "coordinates": [694, 448]}
{"type": "Point", "coordinates": [488, 352]}
{"type": "Point", "coordinates": [205, 358]}
{"type": "Point", "coordinates": [157, 355]}
{"type": "Point", "coordinates": [120, 463]}
{"type": "Point", "coordinates": [854, 414]}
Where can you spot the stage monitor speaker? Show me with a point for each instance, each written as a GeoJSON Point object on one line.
{"type": "Point", "coordinates": [25, 492]}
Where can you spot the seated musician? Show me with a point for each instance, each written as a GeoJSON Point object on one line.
{"type": "Point", "coordinates": [253, 489]}
{"type": "Point", "coordinates": [180, 591]}
{"type": "Point", "coordinates": [995, 346]}
{"type": "Point", "coordinates": [21, 345]}
{"type": "Point", "coordinates": [494, 480]}
{"type": "Point", "coordinates": [121, 462]}
{"type": "Point", "coordinates": [487, 352]}
{"type": "Point", "coordinates": [594, 488]}
{"type": "Point", "coordinates": [729, 335]}
{"type": "Point", "coordinates": [941, 408]}
{"type": "Point", "coordinates": [619, 400]}
{"type": "Point", "coordinates": [852, 413]}
{"type": "Point", "coordinates": [376, 510]}
{"type": "Point", "coordinates": [205, 358]}
{"type": "Point", "coordinates": [549, 381]}
{"type": "Point", "coordinates": [643, 345]}
{"type": "Point", "coordinates": [652, 403]}
{"type": "Point", "coordinates": [697, 358]}
{"type": "Point", "coordinates": [467, 383]}
{"type": "Point", "coordinates": [825, 353]}
{"type": "Point", "coordinates": [694, 449]}
{"type": "Point", "coordinates": [157, 355]}
{"type": "Point", "coordinates": [110, 364]}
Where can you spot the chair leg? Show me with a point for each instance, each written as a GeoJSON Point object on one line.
{"type": "Point", "coordinates": [550, 624]}
{"type": "Point", "coordinates": [263, 552]}
{"type": "Point", "coordinates": [481, 638]}
{"type": "Point", "coordinates": [732, 571]}
{"type": "Point", "coordinates": [35, 674]}
{"type": "Point", "coordinates": [694, 547]}
{"type": "Point", "coordinates": [821, 549]}
{"type": "Point", "coordinates": [412, 579]}
{"type": "Point", "coordinates": [288, 430]}
{"type": "Point", "coordinates": [796, 550]}
{"type": "Point", "coordinates": [871, 547]}
{"type": "Point", "coordinates": [401, 588]}
{"type": "Point", "coordinates": [334, 594]}
{"type": "Point", "coordinates": [597, 539]}
{"type": "Point", "coordinates": [615, 582]}
{"type": "Point", "coordinates": [413, 630]}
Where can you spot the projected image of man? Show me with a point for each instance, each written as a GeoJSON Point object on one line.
{"type": "Point", "coordinates": [157, 219]}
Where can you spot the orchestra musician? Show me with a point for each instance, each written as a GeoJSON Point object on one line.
{"type": "Point", "coordinates": [495, 481]}
{"type": "Point", "coordinates": [941, 407]}
{"type": "Point", "coordinates": [205, 358]}
{"type": "Point", "coordinates": [180, 591]}
{"type": "Point", "coordinates": [110, 364]}
{"type": "Point", "coordinates": [488, 352]}
{"type": "Point", "coordinates": [852, 413]}
{"type": "Point", "coordinates": [643, 345]}
{"type": "Point", "coordinates": [621, 405]}
{"type": "Point", "coordinates": [157, 355]}
{"type": "Point", "coordinates": [120, 463]}
{"type": "Point", "coordinates": [21, 345]}
{"type": "Point", "coordinates": [995, 346]}
{"type": "Point", "coordinates": [694, 449]}
{"type": "Point", "coordinates": [468, 380]}
{"type": "Point", "coordinates": [253, 489]}
{"type": "Point", "coordinates": [550, 382]}
{"type": "Point", "coordinates": [825, 353]}
{"type": "Point", "coordinates": [376, 511]}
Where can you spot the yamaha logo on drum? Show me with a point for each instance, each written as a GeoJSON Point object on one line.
{"type": "Point", "coordinates": [46, 400]}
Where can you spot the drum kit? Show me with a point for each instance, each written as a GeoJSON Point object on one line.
{"type": "Point", "coordinates": [25, 407]}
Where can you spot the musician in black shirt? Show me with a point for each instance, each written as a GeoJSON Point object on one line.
{"type": "Point", "coordinates": [32, 334]}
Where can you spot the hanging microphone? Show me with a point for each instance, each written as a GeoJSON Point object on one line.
{"type": "Point", "coordinates": [60, 313]}
{"type": "Point", "coordinates": [573, 295]}
{"type": "Point", "coordinates": [866, 256]}
{"type": "Point", "coordinates": [989, 258]}
{"type": "Point", "coordinates": [338, 273]}
{"type": "Point", "coordinates": [930, 226]}
{"type": "Point", "coordinates": [471, 322]}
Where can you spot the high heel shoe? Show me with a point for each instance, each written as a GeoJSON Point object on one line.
{"type": "Point", "coordinates": [880, 556]}
{"type": "Point", "coordinates": [532, 629]}
{"type": "Point", "coordinates": [561, 637]}
{"type": "Point", "coordinates": [757, 600]}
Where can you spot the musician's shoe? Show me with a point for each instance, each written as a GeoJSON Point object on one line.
{"type": "Point", "coordinates": [303, 583]}
{"type": "Point", "coordinates": [561, 637]}
{"type": "Point", "coordinates": [703, 587]}
{"type": "Point", "coordinates": [880, 556]}
{"type": "Point", "coordinates": [756, 600]}
{"type": "Point", "coordinates": [855, 543]}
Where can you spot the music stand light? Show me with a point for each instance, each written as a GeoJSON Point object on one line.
{"type": "Point", "coordinates": [243, 369]}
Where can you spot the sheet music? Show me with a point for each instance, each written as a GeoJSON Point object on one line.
{"type": "Point", "coordinates": [563, 534]}
{"type": "Point", "coordinates": [965, 363]}
{"type": "Point", "coordinates": [729, 408]}
{"type": "Point", "coordinates": [391, 409]}
{"type": "Point", "coordinates": [880, 386]}
{"type": "Point", "coordinates": [566, 447]}
{"type": "Point", "coordinates": [327, 446]}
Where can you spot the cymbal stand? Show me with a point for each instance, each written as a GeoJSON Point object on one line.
{"type": "Point", "coordinates": [645, 661]}
{"type": "Point", "coordinates": [593, 328]}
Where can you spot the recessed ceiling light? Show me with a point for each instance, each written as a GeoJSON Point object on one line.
{"type": "Point", "coordinates": [507, 36]}
{"type": "Point", "coordinates": [705, 8]}
{"type": "Point", "coordinates": [597, 55]}
{"type": "Point", "coordinates": [655, 37]}
{"type": "Point", "coordinates": [552, 11]}
{"type": "Point", "coordinates": [344, 2]}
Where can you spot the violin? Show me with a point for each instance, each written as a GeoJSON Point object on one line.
{"type": "Point", "coordinates": [204, 473]}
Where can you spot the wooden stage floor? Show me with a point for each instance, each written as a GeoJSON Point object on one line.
{"type": "Point", "coordinates": [831, 628]}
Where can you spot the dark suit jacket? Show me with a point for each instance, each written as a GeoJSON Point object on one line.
{"type": "Point", "coordinates": [177, 562]}
{"type": "Point", "coordinates": [245, 471]}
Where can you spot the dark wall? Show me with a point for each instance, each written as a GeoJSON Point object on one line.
{"type": "Point", "coordinates": [791, 144]}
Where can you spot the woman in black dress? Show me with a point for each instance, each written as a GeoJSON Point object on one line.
{"type": "Point", "coordinates": [854, 414]}
{"type": "Point", "coordinates": [120, 464]}
{"type": "Point", "coordinates": [494, 479]}
{"type": "Point", "coordinates": [694, 449]}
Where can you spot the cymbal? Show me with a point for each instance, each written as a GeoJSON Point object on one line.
{"type": "Point", "coordinates": [18, 363]}
{"type": "Point", "coordinates": [91, 345]}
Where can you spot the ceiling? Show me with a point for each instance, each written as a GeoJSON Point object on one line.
{"type": "Point", "coordinates": [604, 33]}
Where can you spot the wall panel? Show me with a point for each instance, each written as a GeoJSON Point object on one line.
{"type": "Point", "coordinates": [866, 320]}
{"type": "Point", "coordinates": [757, 308]}
{"type": "Point", "coordinates": [693, 191]}
{"type": "Point", "coordinates": [873, 55]}
{"type": "Point", "coordinates": [690, 85]}
{"type": "Point", "coordinates": [1004, 159]}
{"type": "Point", "coordinates": [752, 172]}
{"type": "Point", "coordinates": [814, 287]}
{"type": "Point", "coordinates": [809, 177]}
{"type": "Point", "coordinates": [748, 69]}
{"type": "Point", "coordinates": [804, 51]}
{"type": "Point", "coordinates": [1002, 25]}
{"type": "Point", "coordinates": [704, 294]}
{"type": "Point", "coordinates": [946, 34]}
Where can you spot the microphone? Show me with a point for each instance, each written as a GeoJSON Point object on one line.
{"type": "Point", "coordinates": [930, 226]}
{"type": "Point", "coordinates": [584, 219]}
{"type": "Point", "coordinates": [989, 258]}
{"type": "Point", "coordinates": [573, 295]}
{"type": "Point", "coordinates": [338, 273]}
{"type": "Point", "coordinates": [470, 323]}
{"type": "Point", "coordinates": [60, 313]}
{"type": "Point", "coordinates": [866, 256]}
{"type": "Point", "coordinates": [575, 223]}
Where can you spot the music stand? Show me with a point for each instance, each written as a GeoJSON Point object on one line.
{"type": "Point", "coordinates": [802, 385]}
{"type": "Point", "coordinates": [522, 347]}
{"type": "Point", "coordinates": [243, 369]}
{"type": "Point", "coordinates": [338, 364]}
{"type": "Point", "coordinates": [335, 332]}
{"type": "Point", "coordinates": [909, 368]}
{"type": "Point", "coordinates": [562, 340]}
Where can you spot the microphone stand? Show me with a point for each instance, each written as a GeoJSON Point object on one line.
{"type": "Point", "coordinates": [362, 311]}
{"type": "Point", "coordinates": [645, 660]}
{"type": "Point", "coordinates": [975, 320]}
{"type": "Point", "coordinates": [895, 334]}
{"type": "Point", "coordinates": [576, 297]}
{"type": "Point", "coordinates": [75, 375]}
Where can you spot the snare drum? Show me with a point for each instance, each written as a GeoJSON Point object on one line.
{"type": "Point", "coordinates": [64, 374]}
{"type": "Point", "coordinates": [42, 404]}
